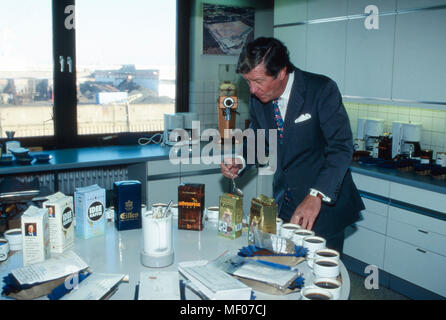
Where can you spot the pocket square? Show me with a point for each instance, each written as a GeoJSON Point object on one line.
{"type": "Point", "coordinates": [303, 117]}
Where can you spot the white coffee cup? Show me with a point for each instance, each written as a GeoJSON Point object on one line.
{"type": "Point", "coordinates": [4, 249]}
{"type": "Point", "coordinates": [279, 223]}
{"type": "Point", "coordinates": [287, 230]}
{"type": "Point", "coordinates": [300, 234]}
{"type": "Point", "coordinates": [313, 243]}
{"type": "Point", "coordinates": [315, 293]}
{"type": "Point", "coordinates": [331, 285]}
{"type": "Point", "coordinates": [14, 237]}
{"type": "Point", "coordinates": [212, 214]}
{"type": "Point", "coordinates": [326, 253]}
{"type": "Point", "coordinates": [325, 268]}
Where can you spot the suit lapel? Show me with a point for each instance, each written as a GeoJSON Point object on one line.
{"type": "Point", "coordinates": [296, 101]}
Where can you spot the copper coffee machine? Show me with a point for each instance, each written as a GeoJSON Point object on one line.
{"type": "Point", "coordinates": [227, 106]}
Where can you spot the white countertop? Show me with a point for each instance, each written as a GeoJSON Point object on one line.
{"type": "Point", "coordinates": [119, 252]}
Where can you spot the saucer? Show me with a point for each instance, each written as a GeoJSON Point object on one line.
{"type": "Point", "coordinates": [42, 157]}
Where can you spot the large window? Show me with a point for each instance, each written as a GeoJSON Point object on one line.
{"type": "Point", "coordinates": [26, 68]}
{"type": "Point", "coordinates": [73, 71]}
{"type": "Point", "coordinates": [125, 65]}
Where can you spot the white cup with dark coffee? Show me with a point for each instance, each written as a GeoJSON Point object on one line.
{"type": "Point", "coordinates": [287, 230]}
{"type": "Point", "coordinates": [327, 254]}
{"type": "Point", "coordinates": [315, 293]}
{"type": "Point", "coordinates": [325, 268]}
{"type": "Point", "coordinates": [300, 234]}
{"type": "Point", "coordinates": [331, 285]}
{"type": "Point", "coordinates": [313, 243]}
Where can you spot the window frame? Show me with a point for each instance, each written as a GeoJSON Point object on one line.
{"type": "Point", "coordinates": [65, 91]}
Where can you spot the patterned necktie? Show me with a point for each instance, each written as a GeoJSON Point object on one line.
{"type": "Point", "coordinates": [278, 118]}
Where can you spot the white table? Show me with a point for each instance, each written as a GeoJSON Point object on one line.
{"type": "Point", "coordinates": [119, 252]}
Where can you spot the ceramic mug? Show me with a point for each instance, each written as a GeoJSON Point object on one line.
{"type": "Point", "coordinates": [287, 230]}
{"type": "Point", "coordinates": [331, 285]}
{"type": "Point", "coordinates": [315, 293]}
{"type": "Point", "coordinates": [4, 249]}
{"type": "Point", "coordinates": [325, 268]}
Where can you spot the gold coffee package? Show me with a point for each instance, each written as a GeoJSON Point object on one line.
{"type": "Point", "coordinates": [190, 206]}
{"type": "Point", "coordinates": [61, 221]}
{"type": "Point", "coordinates": [230, 217]}
{"type": "Point", "coordinates": [263, 214]}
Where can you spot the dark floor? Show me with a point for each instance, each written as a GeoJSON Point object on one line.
{"type": "Point", "coordinates": [358, 290]}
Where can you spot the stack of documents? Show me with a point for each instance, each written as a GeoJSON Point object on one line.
{"type": "Point", "coordinates": [212, 282]}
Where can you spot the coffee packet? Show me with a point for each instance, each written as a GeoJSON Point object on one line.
{"type": "Point", "coordinates": [127, 203]}
{"type": "Point", "coordinates": [61, 221]}
{"type": "Point", "coordinates": [262, 215]}
{"type": "Point", "coordinates": [35, 235]}
{"type": "Point", "coordinates": [89, 211]}
{"type": "Point", "coordinates": [230, 216]}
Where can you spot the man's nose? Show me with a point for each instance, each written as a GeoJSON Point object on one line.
{"type": "Point", "coordinates": [252, 88]}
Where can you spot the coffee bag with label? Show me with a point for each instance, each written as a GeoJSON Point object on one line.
{"type": "Point", "coordinates": [230, 216]}
{"type": "Point", "coordinates": [263, 214]}
{"type": "Point", "coordinates": [61, 221]}
{"type": "Point", "coordinates": [127, 203]}
{"type": "Point", "coordinates": [35, 235]}
{"type": "Point", "coordinates": [89, 211]}
{"type": "Point", "coordinates": [190, 206]}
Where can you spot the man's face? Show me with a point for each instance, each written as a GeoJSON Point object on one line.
{"type": "Point", "coordinates": [265, 87]}
{"type": "Point", "coordinates": [30, 228]}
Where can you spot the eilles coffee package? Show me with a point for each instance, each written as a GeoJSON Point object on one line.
{"type": "Point", "coordinates": [127, 203]}
{"type": "Point", "coordinates": [190, 206]}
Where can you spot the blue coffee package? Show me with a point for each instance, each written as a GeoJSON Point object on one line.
{"type": "Point", "coordinates": [89, 211]}
{"type": "Point", "coordinates": [127, 203]}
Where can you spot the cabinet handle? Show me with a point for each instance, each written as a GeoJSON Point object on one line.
{"type": "Point", "coordinates": [422, 231]}
{"type": "Point", "coordinates": [421, 250]}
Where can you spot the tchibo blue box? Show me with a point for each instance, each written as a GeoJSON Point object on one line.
{"type": "Point", "coordinates": [127, 202]}
{"type": "Point", "coordinates": [89, 209]}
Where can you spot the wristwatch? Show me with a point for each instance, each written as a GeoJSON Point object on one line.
{"type": "Point", "coordinates": [316, 193]}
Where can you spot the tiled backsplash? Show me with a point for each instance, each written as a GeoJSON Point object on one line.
{"type": "Point", "coordinates": [433, 134]}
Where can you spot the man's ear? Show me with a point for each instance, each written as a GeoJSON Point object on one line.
{"type": "Point", "coordinates": [282, 74]}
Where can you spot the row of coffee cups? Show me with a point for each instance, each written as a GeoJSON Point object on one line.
{"type": "Point", "coordinates": [323, 261]}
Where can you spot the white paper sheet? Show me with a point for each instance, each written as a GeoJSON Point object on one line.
{"type": "Point", "coordinates": [94, 287]}
{"type": "Point", "coordinates": [159, 285]}
{"type": "Point", "coordinates": [57, 267]}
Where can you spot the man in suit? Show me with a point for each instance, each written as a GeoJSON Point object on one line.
{"type": "Point", "coordinates": [312, 184]}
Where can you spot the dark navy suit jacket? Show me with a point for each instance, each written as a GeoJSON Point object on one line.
{"type": "Point", "coordinates": [315, 153]}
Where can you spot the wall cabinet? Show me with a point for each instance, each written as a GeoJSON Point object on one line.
{"type": "Point", "coordinates": [401, 60]}
{"type": "Point", "coordinates": [397, 238]}
{"type": "Point", "coordinates": [419, 65]}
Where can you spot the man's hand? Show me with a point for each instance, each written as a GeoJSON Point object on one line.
{"type": "Point", "coordinates": [229, 168]}
{"type": "Point", "coordinates": [306, 212]}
